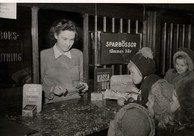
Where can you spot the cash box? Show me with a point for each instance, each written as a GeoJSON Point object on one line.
{"type": "Point", "coordinates": [29, 110]}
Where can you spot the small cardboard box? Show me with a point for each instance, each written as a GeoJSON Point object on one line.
{"type": "Point", "coordinates": [96, 96]}
{"type": "Point", "coordinates": [32, 95]}
{"type": "Point", "coordinates": [29, 110]}
{"type": "Point", "coordinates": [121, 83]}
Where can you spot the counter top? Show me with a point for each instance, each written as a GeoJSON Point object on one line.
{"type": "Point", "coordinates": [76, 117]}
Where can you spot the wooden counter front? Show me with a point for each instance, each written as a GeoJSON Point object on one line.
{"type": "Point", "coordinates": [77, 117]}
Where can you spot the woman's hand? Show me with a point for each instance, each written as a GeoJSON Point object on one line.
{"type": "Point", "coordinates": [82, 88]}
{"type": "Point", "coordinates": [59, 90]}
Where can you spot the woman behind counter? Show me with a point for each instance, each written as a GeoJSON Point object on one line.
{"type": "Point", "coordinates": [62, 65]}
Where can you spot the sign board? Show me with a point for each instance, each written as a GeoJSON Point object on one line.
{"type": "Point", "coordinates": [118, 48]}
{"type": "Point", "coordinates": [32, 95]}
{"type": "Point", "coordinates": [102, 79]}
{"type": "Point", "coordinates": [8, 10]}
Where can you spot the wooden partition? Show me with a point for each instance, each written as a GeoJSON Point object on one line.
{"type": "Point", "coordinates": [165, 31]}
{"type": "Point", "coordinates": [175, 33]}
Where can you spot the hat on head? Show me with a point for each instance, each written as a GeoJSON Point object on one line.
{"type": "Point", "coordinates": [188, 54]}
{"type": "Point", "coordinates": [162, 92]}
{"type": "Point", "coordinates": [143, 60]}
{"type": "Point", "coordinates": [146, 86]}
{"type": "Point", "coordinates": [134, 120]}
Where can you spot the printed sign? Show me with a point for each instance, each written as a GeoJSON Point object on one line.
{"type": "Point", "coordinates": [32, 95]}
{"type": "Point", "coordinates": [10, 51]}
{"type": "Point", "coordinates": [118, 48]}
{"type": "Point", "coordinates": [8, 10]}
{"type": "Point", "coordinates": [102, 79]}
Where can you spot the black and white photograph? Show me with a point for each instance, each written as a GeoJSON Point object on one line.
{"type": "Point", "coordinates": [96, 68]}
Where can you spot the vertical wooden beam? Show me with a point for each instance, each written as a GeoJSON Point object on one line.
{"type": "Point", "coordinates": [121, 25]}
{"type": "Point", "coordinates": [113, 30]}
{"type": "Point", "coordinates": [183, 36]}
{"type": "Point", "coordinates": [171, 38]}
{"type": "Point", "coordinates": [154, 34]}
{"type": "Point", "coordinates": [129, 26]}
{"type": "Point", "coordinates": [35, 47]}
{"type": "Point", "coordinates": [144, 31]}
{"type": "Point", "coordinates": [113, 24]}
{"type": "Point", "coordinates": [85, 48]}
{"type": "Point", "coordinates": [189, 36]}
{"type": "Point", "coordinates": [177, 36]}
{"type": "Point", "coordinates": [128, 31]}
{"type": "Point", "coordinates": [121, 31]}
{"type": "Point", "coordinates": [164, 49]}
{"type": "Point", "coordinates": [95, 41]}
{"type": "Point", "coordinates": [136, 26]}
{"type": "Point", "coordinates": [104, 30]}
{"type": "Point", "coordinates": [148, 28]}
{"type": "Point", "coordinates": [104, 24]}
{"type": "Point", "coordinates": [144, 36]}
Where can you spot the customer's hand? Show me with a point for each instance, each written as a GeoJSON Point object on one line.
{"type": "Point", "coordinates": [134, 89]}
{"type": "Point", "coordinates": [59, 90]}
{"type": "Point", "coordinates": [121, 101]}
{"type": "Point", "coordinates": [167, 119]}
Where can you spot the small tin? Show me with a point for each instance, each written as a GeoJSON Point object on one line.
{"type": "Point", "coordinates": [29, 110]}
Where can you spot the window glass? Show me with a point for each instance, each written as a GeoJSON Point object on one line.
{"type": "Point", "coordinates": [16, 49]}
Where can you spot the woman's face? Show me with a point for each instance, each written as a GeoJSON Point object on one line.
{"type": "Point", "coordinates": [65, 40]}
{"type": "Point", "coordinates": [135, 74]}
{"type": "Point", "coordinates": [181, 65]}
{"type": "Point", "coordinates": [174, 105]}
{"type": "Point", "coordinates": [150, 104]}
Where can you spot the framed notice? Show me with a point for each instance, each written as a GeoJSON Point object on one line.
{"type": "Point", "coordinates": [102, 79]}
{"type": "Point", "coordinates": [118, 48]}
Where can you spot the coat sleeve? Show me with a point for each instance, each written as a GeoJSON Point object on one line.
{"type": "Point", "coordinates": [42, 65]}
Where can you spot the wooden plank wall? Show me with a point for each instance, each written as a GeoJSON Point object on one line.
{"type": "Point", "coordinates": [174, 36]}
{"type": "Point", "coordinates": [165, 32]}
